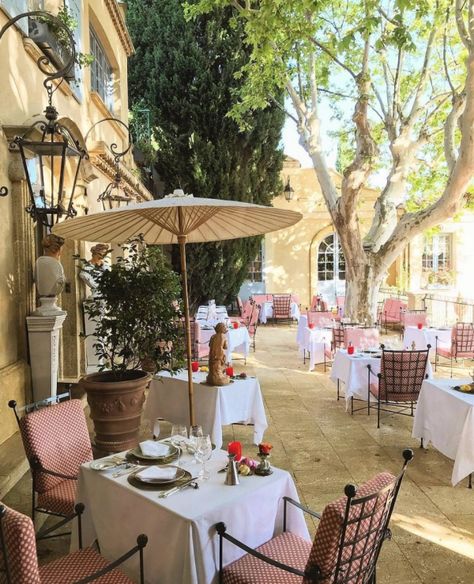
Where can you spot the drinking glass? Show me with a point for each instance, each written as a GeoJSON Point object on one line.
{"type": "Point", "coordinates": [178, 433]}
{"type": "Point", "coordinates": [156, 429]}
{"type": "Point", "coordinates": [203, 454]}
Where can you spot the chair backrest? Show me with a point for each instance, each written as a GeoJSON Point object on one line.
{"type": "Point", "coordinates": [57, 438]}
{"type": "Point", "coordinates": [402, 374]}
{"type": "Point", "coordinates": [18, 560]}
{"type": "Point", "coordinates": [338, 337]}
{"type": "Point", "coordinates": [281, 306]}
{"type": "Point", "coordinates": [240, 305]}
{"type": "Point", "coordinates": [199, 347]}
{"type": "Point", "coordinates": [315, 302]}
{"type": "Point", "coordinates": [340, 301]}
{"type": "Point", "coordinates": [247, 311]}
{"type": "Point", "coordinates": [261, 298]}
{"type": "Point", "coordinates": [392, 307]}
{"type": "Point", "coordinates": [351, 531]}
{"type": "Point", "coordinates": [361, 338]}
{"type": "Point", "coordinates": [253, 321]}
{"type": "Point", "coordinates": [414, 317]}
{"type": "Point", "coordinates": [320, 318]}
{"type": "Point", "coordinates": [463, 338]}
{"type": "Point", "coordinates": [295, 298]}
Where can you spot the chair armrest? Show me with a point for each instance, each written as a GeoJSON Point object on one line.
{"type": "Point", "coordinates": [300, 506]}
{"type": "Point", "coordinates": [78, 511]}
{"type": "Point", "coordinates": [142, 540]}
{"type": "Point", "coordinates": [221, 530]}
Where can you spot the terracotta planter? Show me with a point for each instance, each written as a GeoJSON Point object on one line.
{"type": "Point", "coordinates": [116, 408]}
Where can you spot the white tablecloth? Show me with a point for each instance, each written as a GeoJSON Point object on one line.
{"type": "Point", "coordinates": [238, 340]}
{"type": "Point", "coordinates": [352, 371]}
{"type": "Point", "coordinates": [266, 311]}
{"type": "Point", "coordinates": [219, 314]}
{"type": "Point", "coordinates": [426, 336]}
{"type": "Point", "coordinates": [240, 401]}
{"type": "Point", "coordinates": [182, 543]}
{"type": "Point", "coordinates": [314, 341]}
{"type": "Point", "coordinates": [445, 418]}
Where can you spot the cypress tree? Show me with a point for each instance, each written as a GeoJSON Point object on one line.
{"type": "Point", "coordinates": [184, 72]}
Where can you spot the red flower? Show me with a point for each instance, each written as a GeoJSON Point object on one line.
{"type": "Point", "coordinates": [264, 448]}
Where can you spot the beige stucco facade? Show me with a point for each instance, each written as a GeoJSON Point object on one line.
{"type": "Point", "coordinates": [23, 100]}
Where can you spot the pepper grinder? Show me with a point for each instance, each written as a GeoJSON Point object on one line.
{"type": "Point", "coordinates": [232, 475]}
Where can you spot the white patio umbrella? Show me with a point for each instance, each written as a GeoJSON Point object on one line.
{"type": "Point", "coordinates": [180, 219]}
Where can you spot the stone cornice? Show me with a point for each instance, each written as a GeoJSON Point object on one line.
{"type": "Point", "coordinates": [101, 158]}
{"type": "Point", "coordinates": [119, 23]}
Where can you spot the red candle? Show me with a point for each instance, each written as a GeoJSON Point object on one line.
{"type": "Point", "coordinates": [235, 325]}
{"type": "Point", "coordinates": [195, 366]}
{"type": "Point", "coordinates": [229, 371]}
{"type": "Point", "coordinates": [420, 325]}
{"type": "Point", "coordinates": [236, 449]}
{"type": "Point", "coordinates": [311, 325]}
{"type": "Point", "coordinates": [350, 349]}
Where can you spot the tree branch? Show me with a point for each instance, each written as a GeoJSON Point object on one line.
{"type": "Point", "coordinates": [459, 102]}
{"type": "Point", "coordinates": [334, 58]}
{"type": "Point", "coordinates": [413, 115]}
{"type": "Point", "coordinates": [464, 35]}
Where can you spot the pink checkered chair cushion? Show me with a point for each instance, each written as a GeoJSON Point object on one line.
{"type": "Point", "coordinates": [366, 525]}
{"type": "Point", "coordinates": [59, 499]}
{"type": "Point", "coordinates": [361, 337]}
{"type": "Point", "coordinates": [281, 306]}
{"type": "Point", "coordinates": [287, 548]}
{"type": "Point", "coordinates": [57, 437]}
{"type": "Point", "coordinates": [413, 318]}
{"type": "Point", "coordinates": [18, 533]}
{"type": "Point", "coordinates": [199, 346]}
{"type": "Point", "coordinates": [320, 318]}
{"type": "Point", "coordinates": [295, 298]}
{"type": "Point", "coordinates": [391, 311]}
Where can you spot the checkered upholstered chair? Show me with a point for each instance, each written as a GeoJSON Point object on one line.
{"type": "Point", "coordinates": [199, 347]}
{"type": "Point", "coordinates": [320, 318]}
{"type": "Point", "coordinates": [345, 549]}
{"type": "Point", "coordinates": [282, 307]}
{"type": "Point", "coordinates": [252, 324]}
{"type": "Point", "coordinates": [399, 382]}
{"type": "Point", "coordinates": [56, 442]}
{"type": "Point", "coordinates": [462, 344]}
{"type": "Point", "coordinates": [391, 313]}
{"type": "Point", "coordinates": [19, 562]}
{"type": "Point", "coordinates": [361, 338]}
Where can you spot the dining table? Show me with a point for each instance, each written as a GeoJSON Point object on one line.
{"type": "Point", "coordinates": [239, 402]}
{"type": "Point", "coordinates": [315, 341]}
{"type": "Point", "coordinates": [238, 338]}
{"type": "Point", "coordinates": [212, 314]}
{"type": "Point", "coordinates": [266, 311]}
{"type": "Point", "coordinates": [421, 338]}
{"type": "Point", "coordinates": [182, 542]}
{"type": "Point", "coordinates": [445, 417]}
{"type": "Point", "coordinates": [353, 372]}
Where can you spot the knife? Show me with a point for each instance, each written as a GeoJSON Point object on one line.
{"type": "Point", "coordinates": [174, 490]}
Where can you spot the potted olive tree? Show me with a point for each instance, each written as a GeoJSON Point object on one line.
{"type": "Point", "coordinates": [138, 331]}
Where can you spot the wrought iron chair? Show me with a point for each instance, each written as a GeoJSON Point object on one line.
{"type": "Point", "coordinates": [361, 337]}
{"type": "Point", "coordinates": [346, 547]}
{"type": "Point", "coordinates": [282, 307]}
{"type": "Point", "coordinates": [462, 344]}
{"type": "Point", "coordinates": [199, 348]}
{"type": "Point", "coordinates": [399, 381]}
{"type": "Point", "coordinates": [19, 561]}
{"type": "Point", "coordinates": [391, 313]}
{"type": "Point", "coordinates": [56, 442]}
{"type": "Point", "coordinates": [240, 306]}
{"type": "Point", "coordinates": [320, 318]}
{"type": "Point", "coordinates": [252, 325]}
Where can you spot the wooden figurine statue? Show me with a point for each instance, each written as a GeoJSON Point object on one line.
{"type": "Point", "coordinates": [217, 357]}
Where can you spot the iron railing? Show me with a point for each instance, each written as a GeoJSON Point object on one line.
{"type": "Point", "coordinates": [447, 311]}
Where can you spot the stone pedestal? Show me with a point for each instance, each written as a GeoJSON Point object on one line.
{"type": "Point", "coordinates": [43, 341]}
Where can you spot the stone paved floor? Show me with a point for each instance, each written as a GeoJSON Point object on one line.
{"type": "Point", "coordinates": [324, 448]}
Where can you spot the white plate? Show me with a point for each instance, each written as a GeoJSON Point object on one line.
{"type": "Point", "coordinates": [102, 464]}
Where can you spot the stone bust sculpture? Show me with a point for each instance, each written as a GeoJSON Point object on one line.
{"type": "Point", "coordinates": [91, 271]}
{"type": "Point", "coordinates": [217, 357]}
{"type": "Point", "coordinates": [49, 276]}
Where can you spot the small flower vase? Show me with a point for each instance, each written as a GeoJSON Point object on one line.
{"type": "Point", "coordinates": [263, 469]}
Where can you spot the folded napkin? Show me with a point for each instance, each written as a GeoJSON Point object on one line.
{"type": "Point", "coordinates": [162, 473]}
{"type": "Point", "coordinates": [152, 448]}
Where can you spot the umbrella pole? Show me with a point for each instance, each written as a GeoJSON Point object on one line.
{"type": "Point", "coordinates": [182, 253]}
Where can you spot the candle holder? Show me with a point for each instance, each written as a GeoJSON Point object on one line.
{"type": "Point", "coordinates": [263, 469]}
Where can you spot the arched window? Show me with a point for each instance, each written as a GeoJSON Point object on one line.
{"type": "Point", "coordinates": [331, 261]}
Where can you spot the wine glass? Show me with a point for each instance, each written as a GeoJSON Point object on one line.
{"type": "Point", "coordinates": [203, 454]}
{"type": "Point", "coordinates": [179, 434]}
{"type": "Point", "coordinates": [156, 429]}
{"type": "Point", "coordinates": [195, 432]}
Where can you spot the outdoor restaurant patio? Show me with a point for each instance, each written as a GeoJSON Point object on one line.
{"type": "Point", "coordinates": [324, 448]}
